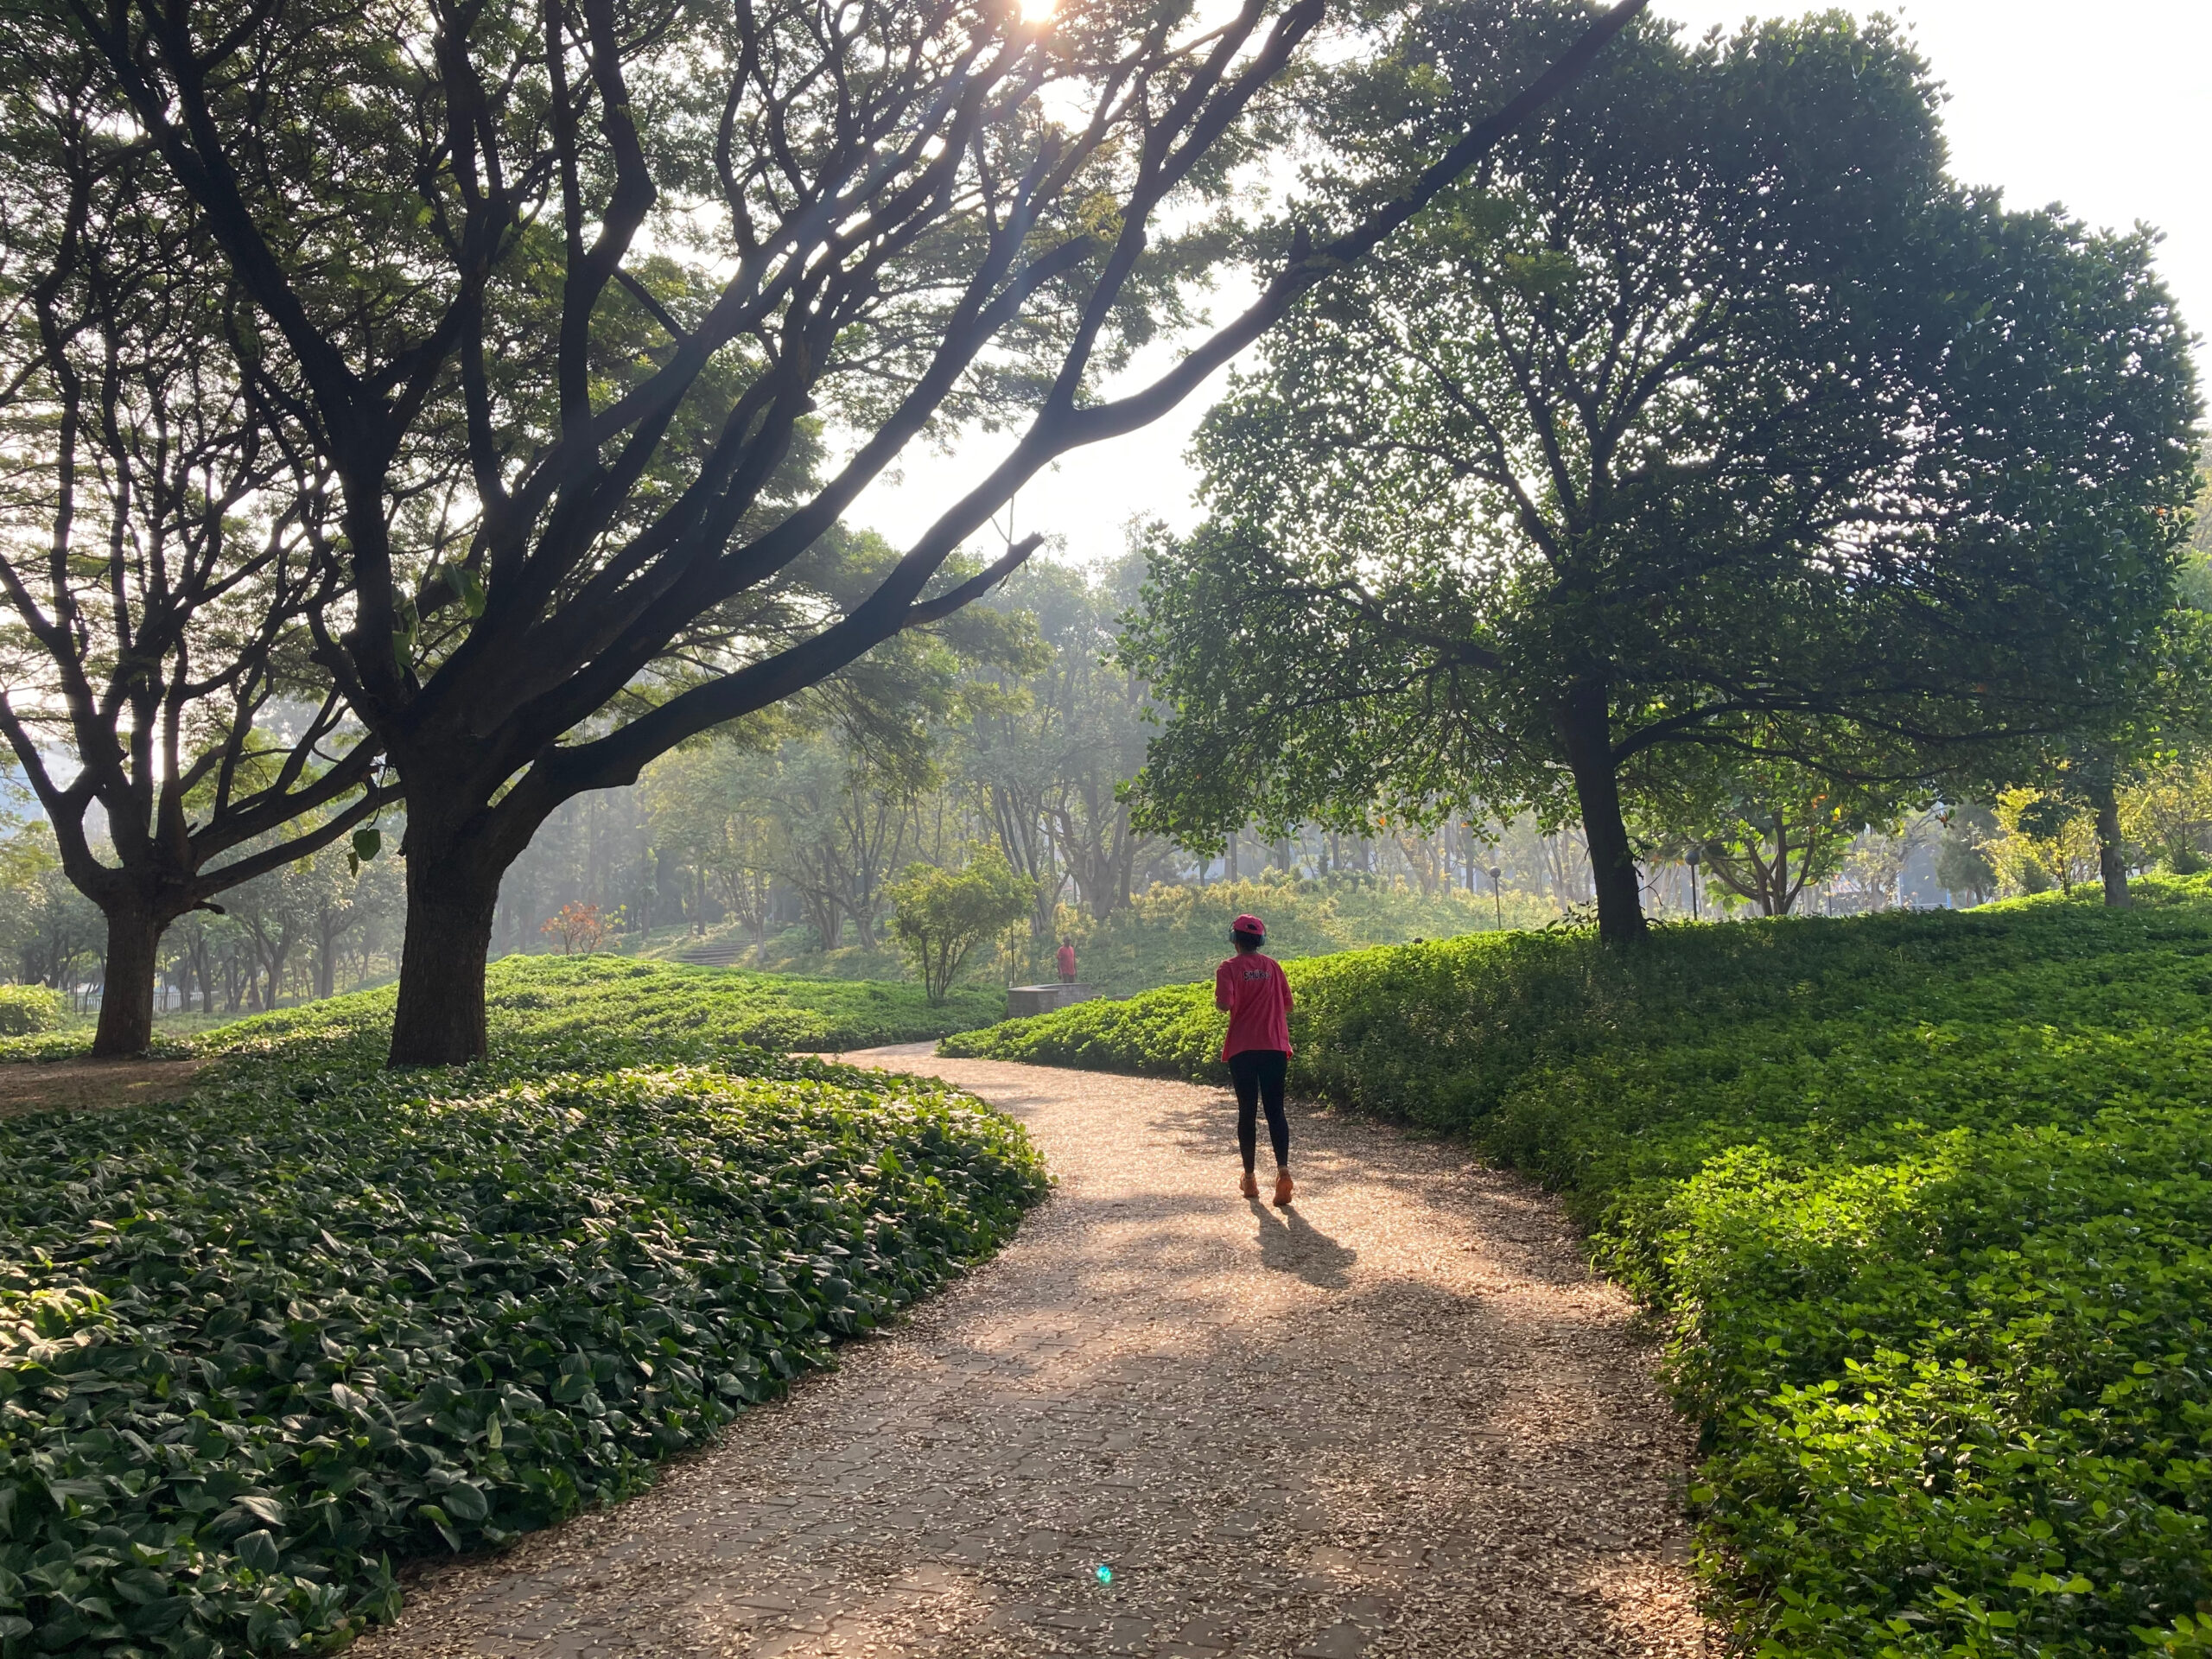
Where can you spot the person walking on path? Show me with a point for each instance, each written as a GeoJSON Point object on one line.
{"type": "Point", "coordinates": [1066, 957]}
{"type": "Point", "coordinates": [1255, 990]}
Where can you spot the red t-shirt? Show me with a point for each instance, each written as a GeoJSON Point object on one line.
{"type": "Point", "coordinates": [1067, 961]}
{"type": "Point", "coordinates": [1256, 993]}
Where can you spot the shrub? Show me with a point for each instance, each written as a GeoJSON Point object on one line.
{"type": "Point", "coordinates": [256, 1348]}
{"type": "Point", "coordinates": [1925, 1202]}
{"type": "Point", "coordinates": [26, 1010]}
{"type": "Point", "coordinates": [941, 915]}
{"type": "Point", "coordinates": [580, 928]}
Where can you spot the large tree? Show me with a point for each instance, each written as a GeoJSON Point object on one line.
{"type": "Point", "coordinates": [1705, 411]}
{"type": "Point", "coordinates": [557, 291]}
{"type": "Point", "coordinates": [157, 685]}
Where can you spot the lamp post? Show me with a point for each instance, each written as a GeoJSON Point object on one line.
{"type": "Point", "coordinates": [1694, 858]}
{"type": "Point", "coordinates": [1497, 902]}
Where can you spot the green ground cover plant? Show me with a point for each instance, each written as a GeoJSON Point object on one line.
{"type": "Point", "coordinates": [258, 1347]}
{"type": "Point", "coordinates": [555, 1002]}
{"type": "Point", "coordinates": [559, 999]}
{"type": "Point", "coordinates": [1924, 1201]}
{"type": "Point", "coordinates": [170, 1025]}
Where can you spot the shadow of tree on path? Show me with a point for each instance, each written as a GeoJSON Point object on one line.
{"type": "Point", "coordinates": [1290, 1243]}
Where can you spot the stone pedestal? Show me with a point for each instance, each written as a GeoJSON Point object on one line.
{"type": "Point", "coordinates": [1022, 999]}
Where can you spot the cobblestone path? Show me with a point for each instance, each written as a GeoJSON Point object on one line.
{"type": "Point", "coordinates": [1401, 1419]}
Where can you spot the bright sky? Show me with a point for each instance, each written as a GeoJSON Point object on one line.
{"type": "Point", "coordinates": [2106, 107]}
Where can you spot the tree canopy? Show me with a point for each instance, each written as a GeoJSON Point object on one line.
{"type": "Point", "coordinates": [157, 554]}
{"type": "Point", "coordinates": [1705, 412]}
{"type": "Point", "coordinates": [595, 318]}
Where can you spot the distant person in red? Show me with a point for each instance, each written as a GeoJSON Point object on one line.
{"type": "Point", "coordinates": [1257, 996]}
{"type": "Point", "coordinates": [1067, 961]}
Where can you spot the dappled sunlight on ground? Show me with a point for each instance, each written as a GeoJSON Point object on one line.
{"type": "Point", "coordinates": [1401, 1419]}
{"type": "Point", "coordinates": [50, 1085]}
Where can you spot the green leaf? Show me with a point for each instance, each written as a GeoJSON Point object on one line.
{"type": "Point", "coordinates": [257, 1549]}
{"type": "Point", "coordinates": [368, 841]}
{"type": "Point", "coordinates": [470, 587]}
{"type": "Point", "coordinates": [438, 1518]}
{"type": "Point", "coordinates": [157, 1618]}
{"type": "Point", "coordinates": [140, 1584]}
{"type": "Point", "coordinates": [464, 1501]}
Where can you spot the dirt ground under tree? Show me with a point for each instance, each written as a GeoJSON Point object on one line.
{"type": "Point", "coordinates": [46, 1085]}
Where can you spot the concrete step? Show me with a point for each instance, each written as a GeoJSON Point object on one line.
{"type": "Point", "coordinates": [715, 956]}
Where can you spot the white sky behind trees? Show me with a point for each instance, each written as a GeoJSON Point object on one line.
{"type": "Point", "coordinates": [2103, 105]}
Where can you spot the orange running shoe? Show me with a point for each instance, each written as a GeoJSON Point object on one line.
{"type": "Point", "coordinates": [1251, 1188]}
{"type": "Point", "coordinates": [1284, 1187]}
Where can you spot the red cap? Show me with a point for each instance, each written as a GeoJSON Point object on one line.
{"type": "Point", "coordinates": [1249, 924]}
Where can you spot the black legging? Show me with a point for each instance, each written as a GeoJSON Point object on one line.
{"type": "Point", "coordinates": [1258, 1074]}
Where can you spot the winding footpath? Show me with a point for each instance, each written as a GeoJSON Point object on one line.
{"type": "Point", "coordinates": [1401, 1419]}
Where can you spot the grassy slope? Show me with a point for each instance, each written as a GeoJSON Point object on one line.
{"type": "Point", "coordinates": [1925, 1199]}
{"type": "Point", "coordinates": [1175, 934]}
{"type": "Point", "coordinates": [318, 1318]}
{"type": "Point", "coordinates": [558, 1001]}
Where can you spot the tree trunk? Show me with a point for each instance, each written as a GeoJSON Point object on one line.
{"type": "Point", "coordinates": [439, 1019]}
{"type": "Point", "coordinates": [2112, 863]}
{"type": "Point", "coordinates": [1585, 729]}
{"type": "Point", "coordinates": [126, 1025]}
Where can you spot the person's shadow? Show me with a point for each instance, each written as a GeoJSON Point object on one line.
{"type": "Point", "coordinates": [1290, 1243]}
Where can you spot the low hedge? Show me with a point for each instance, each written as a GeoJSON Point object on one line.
{"type": "Point", "coordinates": [1925, 1201]}
{"type": "Point", "coordinates": [26, 1010]}
{"type": "Point", "coordinates": [257, 1348]}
